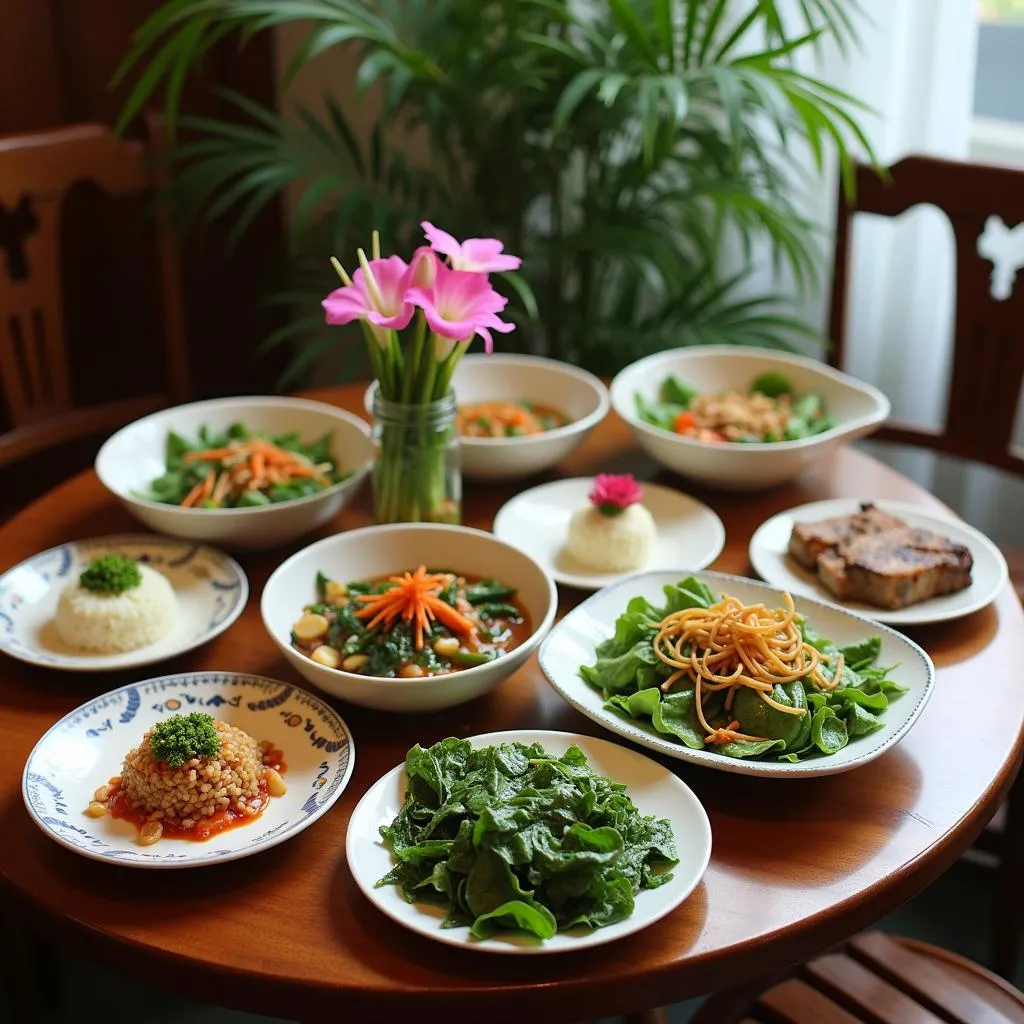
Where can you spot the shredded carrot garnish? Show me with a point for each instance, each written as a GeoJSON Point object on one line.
{"type": "Point", "coordinates": [415, 598]}
{"type": "Point", "coordinates": [250, 465]}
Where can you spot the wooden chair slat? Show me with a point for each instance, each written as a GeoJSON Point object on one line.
{"type": "Point", "coordinates": [37, 171]}
{"type": "Point", "coordinates": [843, 987]}
{"type": "Point", "coordinates": [985, 984]}
{"type": "Point", "coordinates": [868, 997]}
{"type": "Point", "coordinates": [923, 980]}
{"type": "Point", "coordinates": [795, 1002]}
{"type": "Point", "coordinates": [988, 361]}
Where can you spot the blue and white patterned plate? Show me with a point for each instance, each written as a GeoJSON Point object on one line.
{"type": "Point", "coordinates": [211, 589]}
{"type": "Point", "coordinates": [86, 748]}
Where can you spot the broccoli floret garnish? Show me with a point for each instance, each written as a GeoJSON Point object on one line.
{"type": "Point", "coordinates": [111, 574]}
{"type": "Point", "coordinates": [183, 737]}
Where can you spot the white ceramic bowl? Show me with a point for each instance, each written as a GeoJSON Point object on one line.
{"type": "Point", "coordinates": [857, 408]}
{"type": "Point", "coordinates": [570, 390]}
{"type": "Point", "coordinates": [379, 551]}
{"type": "Point", "coordinates": [134, 456]}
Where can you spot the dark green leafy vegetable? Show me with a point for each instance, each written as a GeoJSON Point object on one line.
{"type": "Point", "coordinates": [675, 392]}
{"type": "Point", "coordinates": [111, 574]}
{"type": "Point", "coordinates": [629, 675]}
{"type": "Point", "coordinates": [773, 384]}
{"type": "Point", "coordinates": [511, 837]}
{"type": "Point", "coordinates": [488, 590]}
{"type": "Point", "coordinates": [180, 738]}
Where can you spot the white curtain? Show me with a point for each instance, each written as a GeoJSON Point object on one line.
{"type": "Point", "coordinates": [915, 68]}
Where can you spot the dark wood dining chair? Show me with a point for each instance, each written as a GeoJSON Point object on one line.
{"type": "Point", "coordinates": [37, 172]}
{"type": "Point", "coordinates": [875, 979]}
{"type": "Point", "coordinates": [983, 204]}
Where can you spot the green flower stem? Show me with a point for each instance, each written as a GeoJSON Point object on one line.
{"type": "Point", "coordinates": [416, 354]}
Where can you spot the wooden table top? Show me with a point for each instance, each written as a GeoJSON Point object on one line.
{"type": "Point", "coordinates": [796, 864]}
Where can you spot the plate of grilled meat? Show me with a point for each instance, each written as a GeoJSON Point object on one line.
{"type": "Point", "coordinates": [893, 562]}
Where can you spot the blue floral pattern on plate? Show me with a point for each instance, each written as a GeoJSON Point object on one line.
{"type": "Point", "coordinates": [86, 748]}
{"type": "Point", "coordinates": [211, 589]}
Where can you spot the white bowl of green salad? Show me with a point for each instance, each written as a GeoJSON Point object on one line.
{"type": "Point", "coordinates": [411, 617]}
{"type": "Point", "coordinates": [242, 473]}
{"type": "Point", "coordinates": [742, 418]}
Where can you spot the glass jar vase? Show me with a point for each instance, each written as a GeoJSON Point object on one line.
{"type": "Point", "coordinates": [416, 478]}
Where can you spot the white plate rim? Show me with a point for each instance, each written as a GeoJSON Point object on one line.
{"type": "Point", "coordinates": [599, 580]}
{"type": "Point", "coordinates": [913, 615]}
{"type": "Point", "coordinates": [734, 765]}
{"type": "Point", "coordinates": [458, 937]}
{"type": "Point", "coordinates": [138, 658]}
{"type": "Point", "coordinates": [339, 723]}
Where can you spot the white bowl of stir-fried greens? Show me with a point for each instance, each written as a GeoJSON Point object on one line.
{"type": "Point", "coordinates": [519, 415]}
{"type": "Point", "coordinates": [241, 473]}
{"type": "Point", "coordinates": [409, 617]}
{"type": "Point", "coordinates": [741, 418]}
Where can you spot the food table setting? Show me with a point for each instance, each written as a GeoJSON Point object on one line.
{"type": "Point", "coordinates": [410, 763]}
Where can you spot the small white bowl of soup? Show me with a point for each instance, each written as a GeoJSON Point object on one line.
{"type": "Point", "coordinates": [701, 412]}
{"type": "Point", "coordinates": [137, 460]}
{"type": "Point", "coordinates": [335, 613]}
{"type": "Point", "coordinates": [520, 415]}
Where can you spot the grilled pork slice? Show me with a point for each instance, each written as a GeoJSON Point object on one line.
{"type": "Point", "coordinates": [809, 541]}
{"type": "Point", "coordinates": [895, 568]}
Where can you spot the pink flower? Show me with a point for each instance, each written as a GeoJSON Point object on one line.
{"type": "Point", "coordinates": [479, 255]}
{"type": "Point", "coordinates": [461, 304]}
{"type": "Point", "coordinates": [614, 494]}
{"type": "Point", "coordinates": [378, 297]}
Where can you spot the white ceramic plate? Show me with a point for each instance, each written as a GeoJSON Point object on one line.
{"type": "Point", "coordinates": [572, 642]}
{"type": "Point", "coordinates": [690, 535]}
{"type": "Point", "coordinates": [769, 557]}
{"type": "Point", "coordinates": [85, 748]}
{"type": "Point", "coordinates": [211, 589]}
{"type": "Point", "coordinates": [653, 789]}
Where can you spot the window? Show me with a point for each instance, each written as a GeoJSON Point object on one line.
{"type": "Point", "coordinates": [999, 85]}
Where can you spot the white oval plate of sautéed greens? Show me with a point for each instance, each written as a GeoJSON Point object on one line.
{"type": "Point", "coordinates": [658, 797]}
{"type": "Point", "coordinates": [600, 641]}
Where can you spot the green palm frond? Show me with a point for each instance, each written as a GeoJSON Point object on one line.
{"type": "Point", "coordinates": [616, 145]}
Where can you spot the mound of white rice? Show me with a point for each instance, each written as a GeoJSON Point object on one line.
{"type": "Point", "coordinates": [201, 786]}
{"type": "Point", "coordinates": [611, 543]}
{"type": "Point", "coordinates": [93, 621]}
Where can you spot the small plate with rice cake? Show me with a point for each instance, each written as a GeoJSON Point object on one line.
{"type": "Point", "coordinates": [177, 595]}
{"type": "Point", "coordinates": [687, 533]}
{"type": "Point", "coordinates": [281, 759]}
{"type": "Point", "coordinates": [889, 561]}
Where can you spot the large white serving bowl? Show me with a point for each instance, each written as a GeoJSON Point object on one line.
{"type": "Point", "coordinates": [134, 456]}
{"type": "Point", "coordinates": [481, 378]}
{"type": "Point", "coordinates": [857, 408]}
{"type": "Point", "coordinates": [377, 551]}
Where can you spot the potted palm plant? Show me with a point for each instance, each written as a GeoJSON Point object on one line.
{"type": "Point", "coordinates": [614, 144]}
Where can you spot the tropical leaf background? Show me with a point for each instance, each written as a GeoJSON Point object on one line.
{"type": "Point", "coordinates": [641, 155]}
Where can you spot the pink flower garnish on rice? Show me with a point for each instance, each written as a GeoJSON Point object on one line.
{"type": "Point", "coordinates": [478, 255]}
{"type": "Point", "coordinates": [460, 304]}
{"type": "Point", "coordinates": [614, 494]}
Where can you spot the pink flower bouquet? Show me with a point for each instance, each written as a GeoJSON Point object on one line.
{"type": "Point", "coordinates": [418, 319]}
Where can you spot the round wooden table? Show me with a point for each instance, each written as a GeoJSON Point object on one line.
{"type": "Point", "coordinates": [796, 864]}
